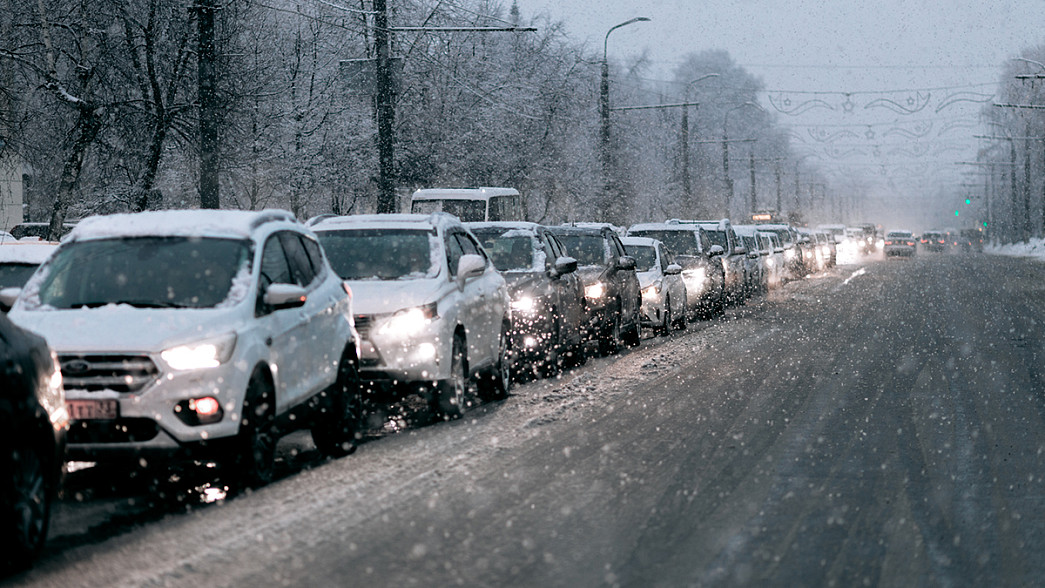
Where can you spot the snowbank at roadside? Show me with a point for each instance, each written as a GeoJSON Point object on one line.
{"type": "Point", "coordinates": [1033, 248]}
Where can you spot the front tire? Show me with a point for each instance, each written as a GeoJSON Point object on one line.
{"type": "Point", "coordinates": [255, 456]}
{"type": "Point", "coordinates": [450, 396]}
{"type": "Point", "coordinates": [494, 386]}
{"type": "Point", "coordinates": [668, 321]}
{"type": "Point", "coordinates": [336, 432]}
{"type": "Point", "coordinates": [27, 497]}
{"type": "Point", "coordinates": [610, 340]}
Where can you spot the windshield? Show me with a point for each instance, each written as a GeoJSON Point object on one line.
{"type": "Point", "coordinates": [466, 210]}
{"type": "Point", "coordinates": [380, 254]}
{"type": "Point", "coordinates": [508, 252]}
{"type": "Point", "coordinates": [718, 238]}
{"type": "Point", "coordinates": [645, 257]}
{"type": "Point", "coordinates": [586, 249]}
{"type": "Point", "coordinates": [679, 242]}
{"type": "Point", "coordinates": [147, 272]}
{"type": "Point", "coordinates": [15, 275]}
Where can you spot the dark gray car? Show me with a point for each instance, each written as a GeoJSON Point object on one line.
{"type": "Point", "coordinates": [547, 296]}
{"type": "Point", "coordinates": [612, 298]}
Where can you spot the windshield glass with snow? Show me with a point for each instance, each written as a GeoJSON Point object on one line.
{"type": "Point", "coordinates": [15, 275]}
{"type": "Point", "coordinates": [586, 249]}
{"type": "Point", "coordinates": [680, 242]}
{"type": "Point", "coordinates": [508, 252]}
{"type": "Point", "coordinates": [147, 272]}
{"type": "Point", "coordinates": [645, 257]}
{"type": "Point", "coordinates": [379, 254]}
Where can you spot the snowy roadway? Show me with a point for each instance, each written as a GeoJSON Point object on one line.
{"type": "Point", "coordinates": [881, 424]}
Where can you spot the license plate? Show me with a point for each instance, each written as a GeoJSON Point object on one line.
{"type": "Point", "coordinates": [83, 410]}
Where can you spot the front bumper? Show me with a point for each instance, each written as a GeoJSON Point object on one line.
{"type": "Point", "coordinates": [414, 358]}
{"type": "Point", "coordinates": [147, 421]}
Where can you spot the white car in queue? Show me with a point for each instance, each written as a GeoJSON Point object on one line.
{"type": "Point", "coordinates": [196, 336]}
{"type": "Point", "coordinates": [432, 311]}
{"type": "Point", "coordinates": [664, 302]}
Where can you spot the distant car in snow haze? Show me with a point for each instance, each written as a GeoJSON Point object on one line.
{"type": "Point", "coordinates": [900, 242]}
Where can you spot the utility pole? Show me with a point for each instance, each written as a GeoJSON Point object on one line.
{"type": "Point", "coordinates": [385, 97]}
{"type": "Point", "coordinates": [207, 78]}
{"type": "Point", "coordinates": [608, 171]}
{"type": "Point", "coordinates": [1026, 183]}
{"type": "Point", "coordinates": [779, 202]}
{"type": "Point", "coordinates": [754, 194]}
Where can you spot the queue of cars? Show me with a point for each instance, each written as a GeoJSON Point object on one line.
{"type": "Point", "coordinates": [189, 336]}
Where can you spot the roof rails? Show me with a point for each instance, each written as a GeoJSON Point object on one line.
{"type": "Point", "coordinates": [272, 215]}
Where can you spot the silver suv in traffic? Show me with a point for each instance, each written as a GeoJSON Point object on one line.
{"type": "Point", "coordinates": [202, 335]}
{"type": "Point", "coordinates": [432, 310]}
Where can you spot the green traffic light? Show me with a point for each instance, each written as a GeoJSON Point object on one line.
{"type": "Point", "coordinates": [985, 224]}
{"type": "Point", "coordinates": [955, 213]}
{"type": "Point", "coordinates": [968, 201]}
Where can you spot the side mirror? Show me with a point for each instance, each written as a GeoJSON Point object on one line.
{"type": "Point", "coordinates": [673, 269]}
{"type": "Point", "coordinates": [8, 297]}
{"type": "Point", "coordinates": [754, 255]}
{"type": "Point", "coordinates": [280, 296]}
{"type": "Point", "coordinates": [716, 250]}
{"type": "Point", "coordinates": [564, 265]}
{"type": "Point", "coordinates": [468, 267]}
{"type": "Point", "coordinates": [626, 262]}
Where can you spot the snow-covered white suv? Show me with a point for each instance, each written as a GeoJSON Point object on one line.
{"type": "Point", "coordinates": [431, 308]}
{"type": "Point", "coordinates": [197, 334]}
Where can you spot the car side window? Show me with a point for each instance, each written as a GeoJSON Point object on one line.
{"type": "Point", "coordinates": [555, 248]}
{"type": "Point", "coordinates": [315, 253]}
{"type": "Point", "coordinates": [705, 243]}
{"type": "Point", "coordinates": [469, 245]}
{"type": "Point", "coordinates": [274, 266]}
{"type": "Point", "coordinates": [453, 253]}
{"type": "Point", "coordinates": [616, 247]}
{"type": "Point", "coordinates": [300, 265]}
{"type": "Point", "coordinates": [666, 258]}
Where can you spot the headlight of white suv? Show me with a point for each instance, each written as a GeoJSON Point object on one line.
{"type": "Point", "coordinates": [408, 322]}
{"type": "Point", "coordinates": [200, 355]}
{"type": "Point", "coordinates": [651, 292]}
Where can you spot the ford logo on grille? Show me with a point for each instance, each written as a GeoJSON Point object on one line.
{"type": "Point", "coordinates": [76, 367]}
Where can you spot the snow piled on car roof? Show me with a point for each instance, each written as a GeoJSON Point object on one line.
{"type": "Point", "coordinates": [388, 221]}
{"type": "Point", "coordinates": [177, 223]}
{"type": "Point", "coordinates": [35, 252]}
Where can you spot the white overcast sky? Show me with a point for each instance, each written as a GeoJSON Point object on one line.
{"type": "Point", "coordinates": [839, 46]}
{"type": "Point", "coordinates": [830, 45]}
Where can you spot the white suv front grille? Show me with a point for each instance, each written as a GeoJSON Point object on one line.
{"type": "Point", "coordinates": [120, 373]}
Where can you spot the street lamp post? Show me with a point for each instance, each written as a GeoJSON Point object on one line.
{"type": "Point", "coordinates": [687, 189]}
{"type": "Point", "coordinates": [604, 105]}
{"type": "Point", "coordinates": [725, 151]}
{"type": "Point", "coordinates": [798, 203]}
